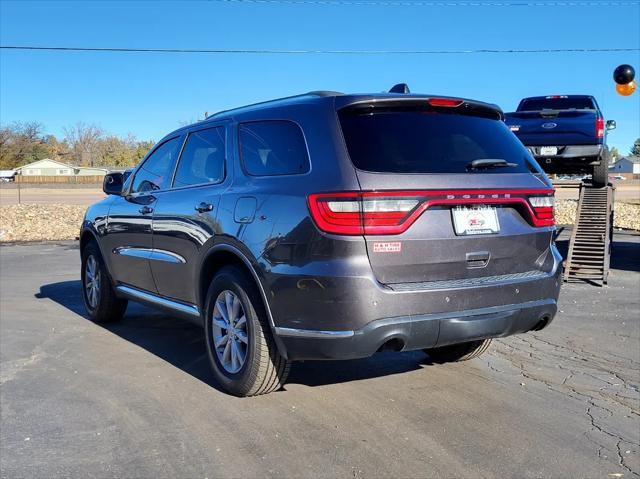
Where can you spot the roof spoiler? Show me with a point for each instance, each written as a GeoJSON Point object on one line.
{"type": "Point", "coordinates": [428, 103]}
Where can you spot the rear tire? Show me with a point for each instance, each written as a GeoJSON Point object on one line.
{"type": "Point", "coordinates": [601, 172]}
{"type": "Point", "coordinates": [458, 352]}
{"type": "Point", "coordinates": [241, 349]}
{"type": "Point", "coordinates": [100, 300]}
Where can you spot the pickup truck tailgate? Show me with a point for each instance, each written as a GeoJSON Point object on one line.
{"type": "Point", "coordinates": [554, 127]}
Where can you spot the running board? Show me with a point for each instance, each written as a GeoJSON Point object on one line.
{"type": "Point", "coordinates": [188, 311]}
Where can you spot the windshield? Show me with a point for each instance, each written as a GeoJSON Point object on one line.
{"type": "Point", "coordinates": [430, 142]}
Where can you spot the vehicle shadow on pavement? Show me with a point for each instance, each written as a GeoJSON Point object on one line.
{"type": "Point", "coordinates": [176, 341]}
{"type": "Point", "coordinates": [182, 344]}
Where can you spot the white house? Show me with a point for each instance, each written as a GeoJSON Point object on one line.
{"type": "Point", "coordinates": [627, 164]}
{"type": "Point", "coordinates": [48, 167]}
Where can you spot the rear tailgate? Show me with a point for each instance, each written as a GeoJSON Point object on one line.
{"type": "Point", "coordinates": [412, 165]}
{"type": "Point", "coordinates": [554, 127]}
{"type": "Point", "coordinates": [431, 249]}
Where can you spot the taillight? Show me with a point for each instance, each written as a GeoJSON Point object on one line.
{"type": "Point", "coordinates": [361, 213]}
{"type": "Point", "coordinates": [393, 212]}
{"type": "Point", "coordinates": [543, 210]}
{"type": "Point", "coordinates": [450, 102]}
{"type": "Point", "coordinates": [600, 127]}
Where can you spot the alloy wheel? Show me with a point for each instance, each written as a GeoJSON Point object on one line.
{"type": "Point", "coordinates": [92, 281]}
{"type": "Point", "coordinates": [230, 338]}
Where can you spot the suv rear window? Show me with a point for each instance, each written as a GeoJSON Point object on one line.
{"type": "Point", "coordinates": [538, 104]}
{"type": "Point", "coordinates": [273, 147]}
{"type": "Point", "coordinates": [429, 142]}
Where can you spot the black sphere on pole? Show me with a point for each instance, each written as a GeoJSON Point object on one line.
{"type": "Point", "coordinates": [624, 74]}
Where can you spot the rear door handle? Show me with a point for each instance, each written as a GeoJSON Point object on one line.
{"type": "Point", "coordinates": [145, 210]}
{"type": "Point", "coordinates": [203, 207]}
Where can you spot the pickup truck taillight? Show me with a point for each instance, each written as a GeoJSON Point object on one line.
{"type": "Point", "coordinates": [393, 212]}
{"type": "Point", "coordinates": [599, 127]}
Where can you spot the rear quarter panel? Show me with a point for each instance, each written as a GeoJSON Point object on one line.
{"type": "Point", "coordinates": [281, 240]}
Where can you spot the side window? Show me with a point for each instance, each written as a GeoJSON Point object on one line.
{"type": "Point", "coordinates": [202, 159]}
{"type": "Point", "coordinates": [273, 147]}
{"type": "Point", "coordinates": [155, 172]}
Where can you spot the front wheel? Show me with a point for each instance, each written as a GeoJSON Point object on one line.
{"type": "Point", "coordinates": [100, 301]}
{"type": "Point", "coordinates": [241, 349]}
{"type": "Point", "coordinates": [458, 352]}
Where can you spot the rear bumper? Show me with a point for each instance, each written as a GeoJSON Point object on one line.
{"type": "Point", "coordinates": [418, 332]}
{"type": "Point", "coordinates": [568, 151]}
{"type": "Point", "coordinates": [347, 319]}
{"type": "Point", "coordinates": [570, 159]}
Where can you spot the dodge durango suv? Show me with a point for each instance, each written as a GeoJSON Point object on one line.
{"type": "Point", "coordinates": [330, 226]}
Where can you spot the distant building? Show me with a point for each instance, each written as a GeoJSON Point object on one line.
{"type": "Point", "coordinates": [48, 167]}
{"type": "Point", "coordinates": [627, 164]}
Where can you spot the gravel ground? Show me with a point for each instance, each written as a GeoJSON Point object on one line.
{"type": "Point", "coordinates": [52, 222]}
{"type": "Point", "coordinates": [56, 222]}
{"type": "Point", "coordinates": [626, 216]}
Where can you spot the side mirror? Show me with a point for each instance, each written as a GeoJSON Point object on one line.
{"type": "Point", "coordinates": [112, 184]}
{"type": "Point", "coordinates": [611, 124]}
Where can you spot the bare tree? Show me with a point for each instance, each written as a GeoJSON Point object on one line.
{"type": "Point", "coordinates": [84, 140]}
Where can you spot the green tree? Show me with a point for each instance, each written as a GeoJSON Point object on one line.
{"type": "Point", "coordinates": [142, 148]}
{"type": "Point", "coordinates": [116, 152]}
{"type": "Point", "coordinates": [635, 149]}
{"type": "Point", "coordinates": [22, 143]}
{"type": "Point", "coordinates": [614, 153]}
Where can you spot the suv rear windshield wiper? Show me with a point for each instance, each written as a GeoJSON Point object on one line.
{"type": "Point", "coordinates": [489, 163]}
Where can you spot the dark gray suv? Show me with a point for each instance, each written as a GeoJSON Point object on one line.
{"type": "Point", "coordinates": [330, 226]}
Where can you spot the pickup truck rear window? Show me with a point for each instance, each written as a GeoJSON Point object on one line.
{"type": "Point", "coordinates": [538, 104]}
{"type": "Point", "coordinates": [430, 142]}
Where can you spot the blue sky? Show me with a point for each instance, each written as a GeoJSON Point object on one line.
{"type": "Point", "coordinates": [150, 94]}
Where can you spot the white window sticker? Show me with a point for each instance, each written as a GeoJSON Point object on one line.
{"type": "Point", "coordinates": [387, 247]}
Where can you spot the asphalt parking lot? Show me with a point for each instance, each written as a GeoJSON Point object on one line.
{"type": "Point", "coordinates": [136, 399]}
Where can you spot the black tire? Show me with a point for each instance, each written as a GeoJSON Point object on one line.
{"type": "Point", "coordinates": [105, 306]}
{"type": "Point", "coordinates": [263, 370]}
{"type": "Point", "coordinates": [600, 173]}
{"type": "Point", "coordinates": [458, 352]}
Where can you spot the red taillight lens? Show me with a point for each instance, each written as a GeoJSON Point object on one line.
{"type": "Point", "coordinates": [338, 213]}
{"type": "Point", "coordinates": [543, 210]}
{"type": "Point", "coordinates": [361, 213]}
{"type": "Point", "coordinates": [393, 212]}
{"type": "Point", "coordinates": [450, 102]}
{"type": "Point", "coordinates": [600, 127]}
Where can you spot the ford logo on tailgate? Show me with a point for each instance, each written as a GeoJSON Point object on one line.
{"type": "Point", "coordinates": [549, 125]}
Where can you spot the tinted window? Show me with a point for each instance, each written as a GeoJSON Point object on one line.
{"type": "Point", "coordinates": [557, 104]}
{"type": "Point", "coordinates": [272, 148]}
{"type": "Point", "coordinates": [155, 172]}
{"type": "Point", "coordinates": [202, 159]}
{"type": "Point", "coordinates": [427, 142]}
